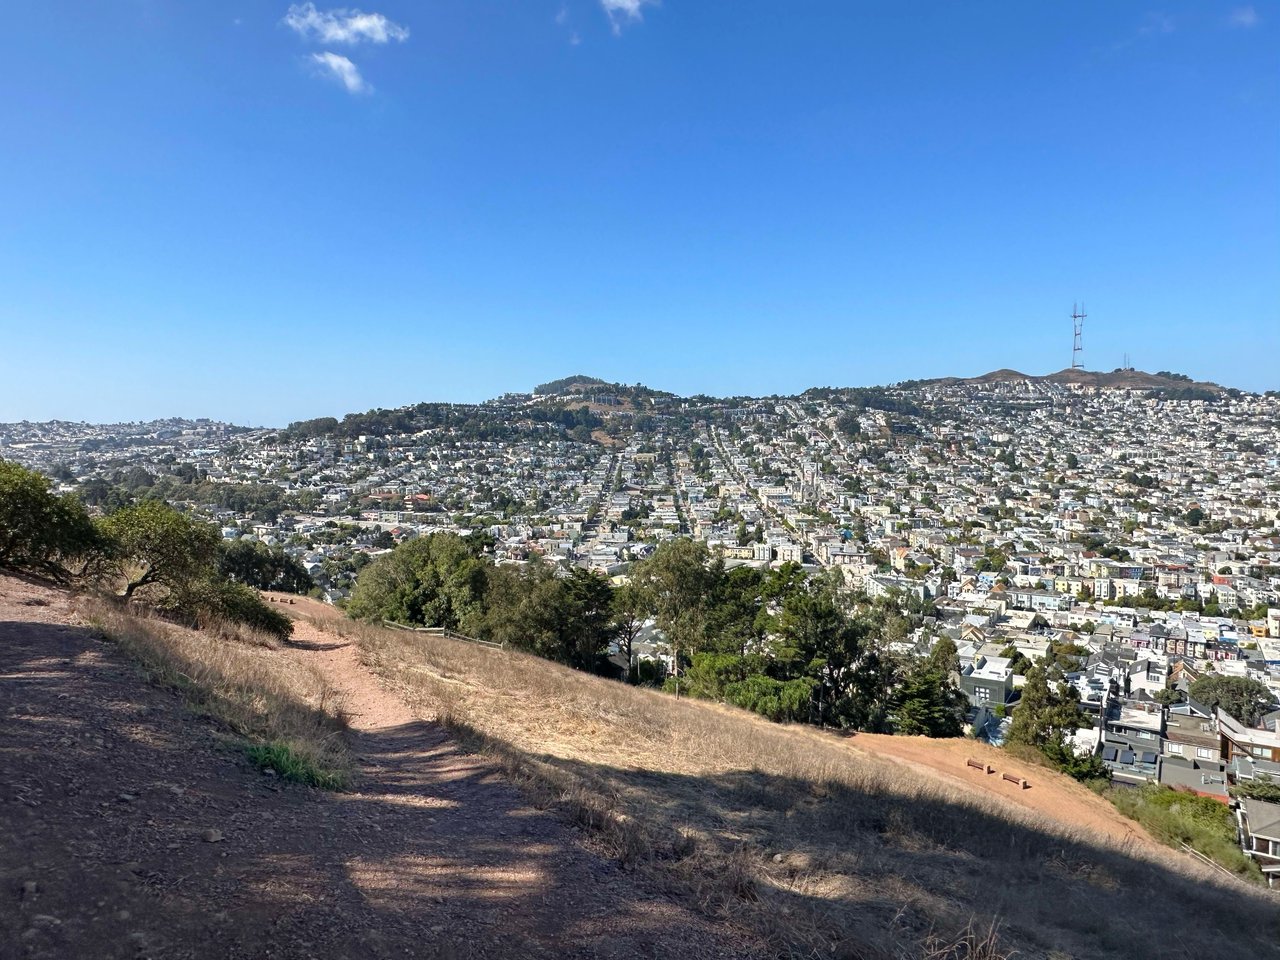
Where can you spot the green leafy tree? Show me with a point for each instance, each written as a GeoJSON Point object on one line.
{"type": "Point", "coordinates": [945, 656]}
{"type": "Point", "coordinates": [631, 608]}
{"type": "Point", "coordinates": [265, 568]}
{"type": "Point", "coordinates": [586, 620]}
{"type": "Point", "coordinates": [41, 532]}
{"type": "Point", "coordinates": [734, 608]}
{"type": "Point", "coordinates": [853, 678]}
{"type": "Point", "coordinates": [928, 703]}
{"type": "Point", "coordinates": [1245, 699]}
{"type": "Point", "coordinates": [154, 545]}
{"type": "Point", "coordinates": [433, 581]}
{"type": "Point", "coordinates": [1018, 661]}
{"type": "Point", "coordinates": [678, 580]}
{"type": "Point", "coordinates": [1046, 718]}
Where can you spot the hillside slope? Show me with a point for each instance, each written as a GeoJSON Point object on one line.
{"type": "Point", "coordinates": [130, 827]}
{"type": "Point", "coordinates": [826, 845]}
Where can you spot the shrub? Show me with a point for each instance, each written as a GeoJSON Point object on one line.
{"type": "Point", "coordinates": [209, 600]}
{"type": "Point", "coordinates": [778, 700]}
{"type": "Point", "coordinates": [1179, 817]}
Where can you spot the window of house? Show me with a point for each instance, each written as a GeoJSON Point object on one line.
{"type": "Point", "coordinates": [1258, 751]}
{"type": "Point", "coordinates": [1204, 753]}
{"type": "Point", "coordinates": [983, 693]}
{"type": "Point", "coordinates": [1176, 748]}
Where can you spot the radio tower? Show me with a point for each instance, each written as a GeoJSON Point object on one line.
{"type": "Point", "coordinates": [1077, 319]}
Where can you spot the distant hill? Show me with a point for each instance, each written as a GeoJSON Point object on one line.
{"type": "Point", "coordinates": [575, 384]}
{"type": "Point", "coordinates": [626, 393]}
{"type": "Point", "coordinates": [1175, 384]}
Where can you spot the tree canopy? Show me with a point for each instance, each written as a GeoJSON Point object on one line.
{"type": "Point", "coordinates": [1245, 699]}
{"type": "Point", "coordinates": [40, 531]}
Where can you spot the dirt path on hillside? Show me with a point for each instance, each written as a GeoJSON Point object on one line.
{"type": "Point", "coordinates": [1048, 795]}
{"type": "Point", "coordinates": [130, 828]}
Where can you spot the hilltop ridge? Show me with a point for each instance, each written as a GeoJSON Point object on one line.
{"type": "Point", "coordinates": [1119, 379]}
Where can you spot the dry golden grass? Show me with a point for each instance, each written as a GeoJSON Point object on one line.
{"type": "Point", "coordinates": [285, 711]}
{"type": "Point", "coordinates": [814, 847]}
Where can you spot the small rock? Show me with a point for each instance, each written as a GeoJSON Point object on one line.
{"type": "Point", "coordinates": [45, 920]}
{"type": "Point", "coordinates": [123, 915]}
{"type": "Point", "coordinates": [777, 858]}
{"type": "Point", "coordinates": [211, 835]}
{"type": "Point", "coordinates": [126, 798]}
{"type": "Point", "coordinates": [268, 772]}
{"type": "Point", "coordinates": [29, 889]}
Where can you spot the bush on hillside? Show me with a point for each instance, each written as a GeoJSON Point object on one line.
{"type": "Point", "coordinates": [782, 701]}
{"type": "Point", "coordinates": [211, 600]}
{"type": "Point", "coordinates": [1177, 816]}
{"type": "Point", "coordinates": [169, 559]}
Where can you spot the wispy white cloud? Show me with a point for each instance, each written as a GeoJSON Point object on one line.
{"type": "Point", "coordinates": [342, 25]}
{"type": "Point", "coordinates": [1246, 17]}
{"type": "Point", "coordinates": [625, 11]}
{"type": "Point", "coordinates": [339, 68]}
{"type": "Point", "coordinates": [1156, 23]}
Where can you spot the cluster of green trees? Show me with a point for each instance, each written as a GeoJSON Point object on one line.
{"type": "Point", "coordinates": [467, 421]}
{"type": "Point", "coordinates": [146, 550]}
{"type": "Point", "coordinates": [181, 482]}
{"type": "Point", "coordinates": [1047, 716]}
{"type": "Point", "coordinates": [777, 642]}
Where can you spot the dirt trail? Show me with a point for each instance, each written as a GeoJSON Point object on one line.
{"type": "Point", "coordinates": [109, 789]}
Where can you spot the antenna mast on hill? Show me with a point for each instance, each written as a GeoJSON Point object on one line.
{"type": "Point", "coordinates": [1077, 319]}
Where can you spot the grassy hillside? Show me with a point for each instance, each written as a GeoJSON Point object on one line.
{"type": "Point", "coordinates": [283, 714]}
{"type": "Point", "coordinates": [811, 845]}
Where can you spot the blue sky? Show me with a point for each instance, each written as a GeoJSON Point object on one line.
{"type": "Point", "coordinates": [255, 211]}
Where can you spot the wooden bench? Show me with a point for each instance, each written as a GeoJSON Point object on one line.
{"type": "Point", "coordinates": [979, 765]}
{"type": "Point", "coordinates": [1020, 781]}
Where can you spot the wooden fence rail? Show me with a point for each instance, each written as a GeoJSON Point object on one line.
{"type": "Point", "coordinates": [446, 633]}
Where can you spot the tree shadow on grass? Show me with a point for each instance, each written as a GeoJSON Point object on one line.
{"type": "Point", "coordinates": [858, 869]}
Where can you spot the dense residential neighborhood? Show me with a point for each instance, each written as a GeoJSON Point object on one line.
{"type": "Point", "coordinates": [1129, 535]}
